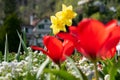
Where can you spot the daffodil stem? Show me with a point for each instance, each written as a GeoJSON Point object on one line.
{"type": "Point", "coordinates": [96, 71]}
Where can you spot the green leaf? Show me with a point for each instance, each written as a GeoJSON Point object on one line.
{"type": "Point", "coordinates": [83, 75]}
{"type": "Point", "coordinates": [24, 36]}
{"type": "Point", "coordinates": [114, 69]}
{"type": "Point", "coordinates": [18, 53]}
{"type": "Point", "coordinates": [78, 71]}
{"type": "Point", "coordinates": [6, 49]}
{"type": "Point", "coordinates": [111, 68]}
{"type": "Point", "coordinates": [23, 44]}
{"type": "Point", "coordinates": [112, 72]}
{"type": "Point", "coordinates": [61, 74]}
{"type": "Point", "coordinates": [30, 76]}
{"type": "Point", "coordinates": [1, 56]}
{"type": "Point", "coordinates": [42, 66]}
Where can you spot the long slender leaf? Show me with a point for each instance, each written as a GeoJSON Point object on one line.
{"type": "Point", "coordinates": [114, 67]}
{"type": "Point", "coordinates": [24, 36]}
{"type": "Point", "coordinates": [23, 44]}
{"type": "Point", "coordinates": [113, 72]}
{"type": "Point", "coordinates": [6, 49]}
{"type": "Point", "coordinates": [76, 69]}
{"type": "Point", "coordinates": [1, 56]}
{"type": "Point", "coordinates": [18, 52]}
{"type": "Point", "coordinates": [61, 74]}
{"type": "Point", "coordinates": [42, 66]}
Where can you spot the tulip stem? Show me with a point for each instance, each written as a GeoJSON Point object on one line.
{"type": "Point", "coordinates": [59, 66]}
{"type": "Point", "coordinates": [96, 71]}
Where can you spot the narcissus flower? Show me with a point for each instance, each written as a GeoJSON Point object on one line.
{"type": "Point", "coordinates": [67, 12]}
{"type": "Point", "coordinates": [95, 39]}
{"type": "Point", "coordinates": [62, 18]}
{"type": "Point", "coordinates": [57, 25]}
{"type": "Point", "coordinates": [56, 49]}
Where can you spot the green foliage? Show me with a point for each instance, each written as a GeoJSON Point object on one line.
{"type": "Point", "coordinates": [66, 2]}
{"type": "Point", "coordinates": [63, 75]}
{"type": "Point", "coordinates": [6, 51]}
{"type": "Point", "coordinates": [112, 68]}
{"type": "Point", "coordinates": [9, 7]}
{"type": "Point", "coordinates": [118, 13]}
{"type": "Point", "coordinates": [10, 27]}
{"type": "Point", "coordinates": [22, 42]}
{"type": "Point", "coordinates": [1, 56]}
{"type": "Point", "coordinates": [78, 71]}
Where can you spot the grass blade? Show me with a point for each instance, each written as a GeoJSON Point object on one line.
{"type": "Point", "coordinates": [23, 44]}
{"type": "Point", "coordinates": [18, 52]}
{"type": "Point", "coordinates": [6, 49]}
{"type": "Point", "coordinates": [24, 36]}
{"type": "Point", "coordinates": [76, 69]}
{"type": "Point", "coordinates": [43, 65]}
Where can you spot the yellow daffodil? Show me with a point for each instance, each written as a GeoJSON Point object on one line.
{"type": "Point", "coordinates": [57, 25]}
{"type": "Point", "coordinates": [68, 12]}
{"type": "Point", "coordinates": [62, 18]}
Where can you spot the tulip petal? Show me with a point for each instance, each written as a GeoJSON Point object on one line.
{"type": "Point", "coordinates": [39, 48]}
{"type": "Point", "coordinates": [111, 24]}
{"type": "Point", "coordinates": [68, 48]}
{"type": "Point", "coordinates": [92, 35]}
{"type": "Point", "coordinates": [67, 36]}
{"type": "Point", "coordinates": [112, 40]}
{"type": "Point", "coordinates": [54, 47]}
{"type": "Point", "coordinates": [109, 54]}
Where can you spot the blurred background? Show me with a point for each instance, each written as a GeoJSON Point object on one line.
{"type": "Point", "coordinates": [31, 18]}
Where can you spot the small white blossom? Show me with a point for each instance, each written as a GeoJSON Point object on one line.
{"type": "Point", "coordinates": [8, 75]}
{"type": "Point", "coordinates": [35, 60]}
{"type": "Point", "coordinates": [40, 53]}
{"type": "Point", "coordinates": [24, 74]}
{"type": "Point", "coordinates": [35, 52]}
{"type": "Point", "coordinates": [27, 58]}
{"type": "Point", "coordinates": [19, 70]}
{"type": "Point", "coordinates": [2, 78]}
{"type": "Point", "coordinates": [107, 77]}
{"type": "Point", "coordinates": [4, 63]}
{"type": "Point", "coordinates": [29, 48]}
{"type": "Point", "coordinates": [2, 69]}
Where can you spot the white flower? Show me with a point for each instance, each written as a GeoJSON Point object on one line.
{"type": "Point", "coordinates": [29, 49]}
{"type": "Point", "coordinates": [2, 69]}
{"type": "Point", "coordinates": [8, 75]}
{"type": "Point", "coordinates": [24, 74]}
{"type": "Point", "coordinates": [4, 63]}
{"type": "Point", "coordinates": [35, 60]}
{"type": "Point", "coordinates": [40, 53]}
{"type": "Point", "coordinates": [27, 58]}
{"type": "Point", "coordinates": [7, 78]}
{"type": "Point", "coordinates": [19, 70]}
{"type": "Point", "coordinates": [20, 65]}
{"type": "Point", "coordinates": [2, 78]}
{"type": "Point", "coordinates": [35, 52]}
{"type": "Point", "coordinates": [107, 77]}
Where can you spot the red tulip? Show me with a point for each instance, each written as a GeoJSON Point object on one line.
{"type": "Point", "coordinates": [56, 49]}
{"type": "Point", "coordinates": [109, 54]}
{"type": "Point", "coordinates": [72, 35]}
{"type": "Point", "coordinates": [94, 39]}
